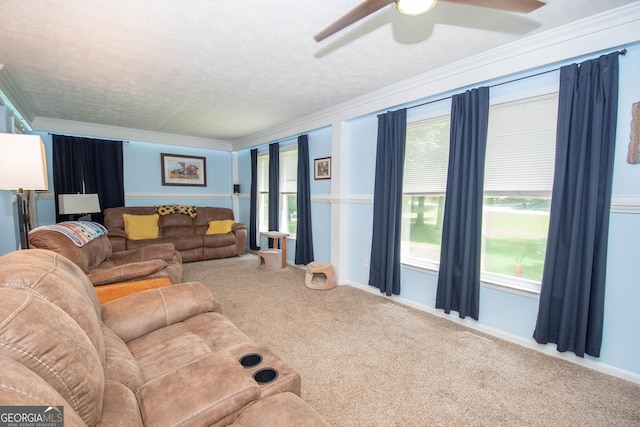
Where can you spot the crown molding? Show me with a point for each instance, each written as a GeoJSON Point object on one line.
{"type": "Point", "coordinates": [70, 127]}
{"type": "Point", "coordinates": [588, 37]}
{"type": "Point", "coordinates": [18, 102]}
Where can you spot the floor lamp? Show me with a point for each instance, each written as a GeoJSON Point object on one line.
{"type": "Point", "coordinates": [23, 166]}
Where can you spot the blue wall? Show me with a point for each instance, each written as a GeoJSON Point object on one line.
{"type": "Point", "coordinates": [319, 146]}
{"type": "Point", "coordinates": [507, 312]}
{"type": "Point", "coordinates": [143, 177]}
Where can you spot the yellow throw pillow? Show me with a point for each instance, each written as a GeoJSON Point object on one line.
{"type": "Point", "coordinates": [139, 227]}
{"type": "Point", "coordinates": [220, 226]}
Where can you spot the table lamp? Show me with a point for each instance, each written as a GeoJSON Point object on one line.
{"type": "Point", "coordinates": [82, 204]}
{"type": "Point", "coordinates": [23, 166]}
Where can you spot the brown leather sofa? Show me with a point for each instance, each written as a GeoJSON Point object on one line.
{"type": "Point", "coordinates": [103, 266]}
{"type": "Point", "coordinates": [161, 357]}
{"type": "Point", "coordinates": [187, 234]}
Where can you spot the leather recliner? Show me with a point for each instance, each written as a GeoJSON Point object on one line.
{"type": "Point", "coordinates": [161, 357]}
{"type": "Point", "coordinates": [103, 266]}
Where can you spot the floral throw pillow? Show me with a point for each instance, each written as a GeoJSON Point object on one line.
{"type": "Point", "coordinates": [181, 209]}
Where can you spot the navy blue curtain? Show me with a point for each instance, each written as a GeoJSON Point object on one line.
{"type": "Point", "coordinates": [571, 307]}
{"type": "Point", "coordinates": [304, 235]}
{"type": "Point", "coordinates": [253, 204]}
{"type": "Point", "coordinates": [86, 165]}
{"type": "Point", "coordinates": [459, 275]}
{"type": "Point", "coordinates": [274, 187]}
{"type": "Point", "coordinates": [384, 266]}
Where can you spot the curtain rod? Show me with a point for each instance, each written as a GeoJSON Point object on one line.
{"type": "Point", "coordinates": [621, 52]}
{"type": "Point", "coordinates": [278, 141]}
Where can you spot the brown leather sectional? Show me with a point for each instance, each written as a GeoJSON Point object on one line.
{"type": "Point", "coordinates": [187, 234]}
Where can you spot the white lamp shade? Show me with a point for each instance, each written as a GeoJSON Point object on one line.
{"type": "Point", "coordinates": [415, 7]}
{"type": "Point", "coordinates": [78, 203]}
{"type": "Point", "coordinates": [23, 164]}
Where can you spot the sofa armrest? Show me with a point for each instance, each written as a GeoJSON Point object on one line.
{"type": "Point", "coordinates": [238, 226]}
{"type": "Point", "coordinates": [162, 307]}
{"type": "Point", "coordinates": [163, 251]}
{"type": "Point", "coordinates": [118, 239]}
{"type": "Point", "coordinates": [117, 232]}
{"type": "Point", "coordinates": [240, 231]}
{"type": "Point", "coordinates": [126, 272]}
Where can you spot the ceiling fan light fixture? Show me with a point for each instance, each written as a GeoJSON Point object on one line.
{"type": "Point", "coordinates": [415, 7]}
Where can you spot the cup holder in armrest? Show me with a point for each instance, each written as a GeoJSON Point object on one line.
{"type": "Point", "coordinates": [265, 376]}
{"type": "Point", "coordinates": [250, 360]}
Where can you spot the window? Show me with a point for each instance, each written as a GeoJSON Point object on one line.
{"type": "Point", "coordinates": [424, 186]}
{"type": "Point", "coordinates": [288, 191]}
{"type": "Point", "coordinates": [517, 190]}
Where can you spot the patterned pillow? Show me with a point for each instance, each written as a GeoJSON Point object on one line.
{"type": "Point", "coordinates": [182, 209]}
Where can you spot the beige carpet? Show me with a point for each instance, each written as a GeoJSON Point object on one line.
{"type": "Point", "coordinates": [367, 361]}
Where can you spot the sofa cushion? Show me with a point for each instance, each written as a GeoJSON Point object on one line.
{"type": "Point", "coordinates": [219, 240]}
{"type": "Point", "coordinates": [19, 386]}
{"type": "Point", "coordinates": [175, 220]}
{"type": "Point", "coordinates": [164, 251]}
{"type": "Point", "coordinates": [282, 409]}
{"type": "Point", "coordinates": [139, 227]}
{"type": "Point", "coordinates": [163, 307]}
{"type": "Point", "coordinates": [220, 226]}
{"type": "Point", "coordinates": [58, 280]}
{"type": "Point", "coordinates": [185, 243]}
{"type": "Point", "coordinates": [120, 406]}
{"type": "Point", "coordinates": [137, 244]}
{"type": "Point", "coordinates": [200, 393]}
{"type": "Point", "coordinates": [120, 365]}
{"type": "Point", "coordinates": [45, 350]}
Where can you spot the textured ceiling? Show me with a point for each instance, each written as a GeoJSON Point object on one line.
{"type": "Point", "coordinates": [226, 69]}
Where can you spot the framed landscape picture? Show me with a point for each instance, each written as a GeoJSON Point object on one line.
{"type": "Point", "coordinates": [183, 170]}
{"type": "Point", "coordinates": [322, 168]}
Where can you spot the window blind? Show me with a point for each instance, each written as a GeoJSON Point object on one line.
{"type": "Point", "coordinates": [289, 171]}
{"type": "Point", "coordinates": [426, 156]}
{"type": "Point", "coordinates": [263, 173]}
{"type": "Point", "coordinates": [521, 146]}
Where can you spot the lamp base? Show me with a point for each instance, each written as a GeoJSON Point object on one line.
{"type": "Point", "coordinates": [23, 220]}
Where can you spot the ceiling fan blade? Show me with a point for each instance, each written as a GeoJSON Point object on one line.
{"type": "Point", "coordinates": [364, 9]}
{"type": "Point", "coordinates": [520, 6]}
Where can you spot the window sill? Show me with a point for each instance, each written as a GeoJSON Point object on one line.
{"type": "Point", "coordinates": [513, 286]}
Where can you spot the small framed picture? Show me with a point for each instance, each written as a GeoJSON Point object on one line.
{"type": "Point", "coordinates": [322, 168]}
{"type": "Point", "coordinates": [183, 170]}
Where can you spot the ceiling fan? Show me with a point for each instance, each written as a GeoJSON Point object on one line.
{"type": "Point", "coordinates": [418, 7]}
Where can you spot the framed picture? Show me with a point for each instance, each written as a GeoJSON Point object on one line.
{"type": "Point", "coordinates": [183, 170]}
{"type": "Point", "coordinates": [322, 168]}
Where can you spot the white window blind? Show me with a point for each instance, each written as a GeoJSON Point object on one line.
{"type": "Point", "coordinates": [263, 173]}
{"type": "Point", "coordinates": [289, 170]}
{"type": "Point", "coordinates": [521, 146]}
{"type": "Point", "coordinates": [426, 156]}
